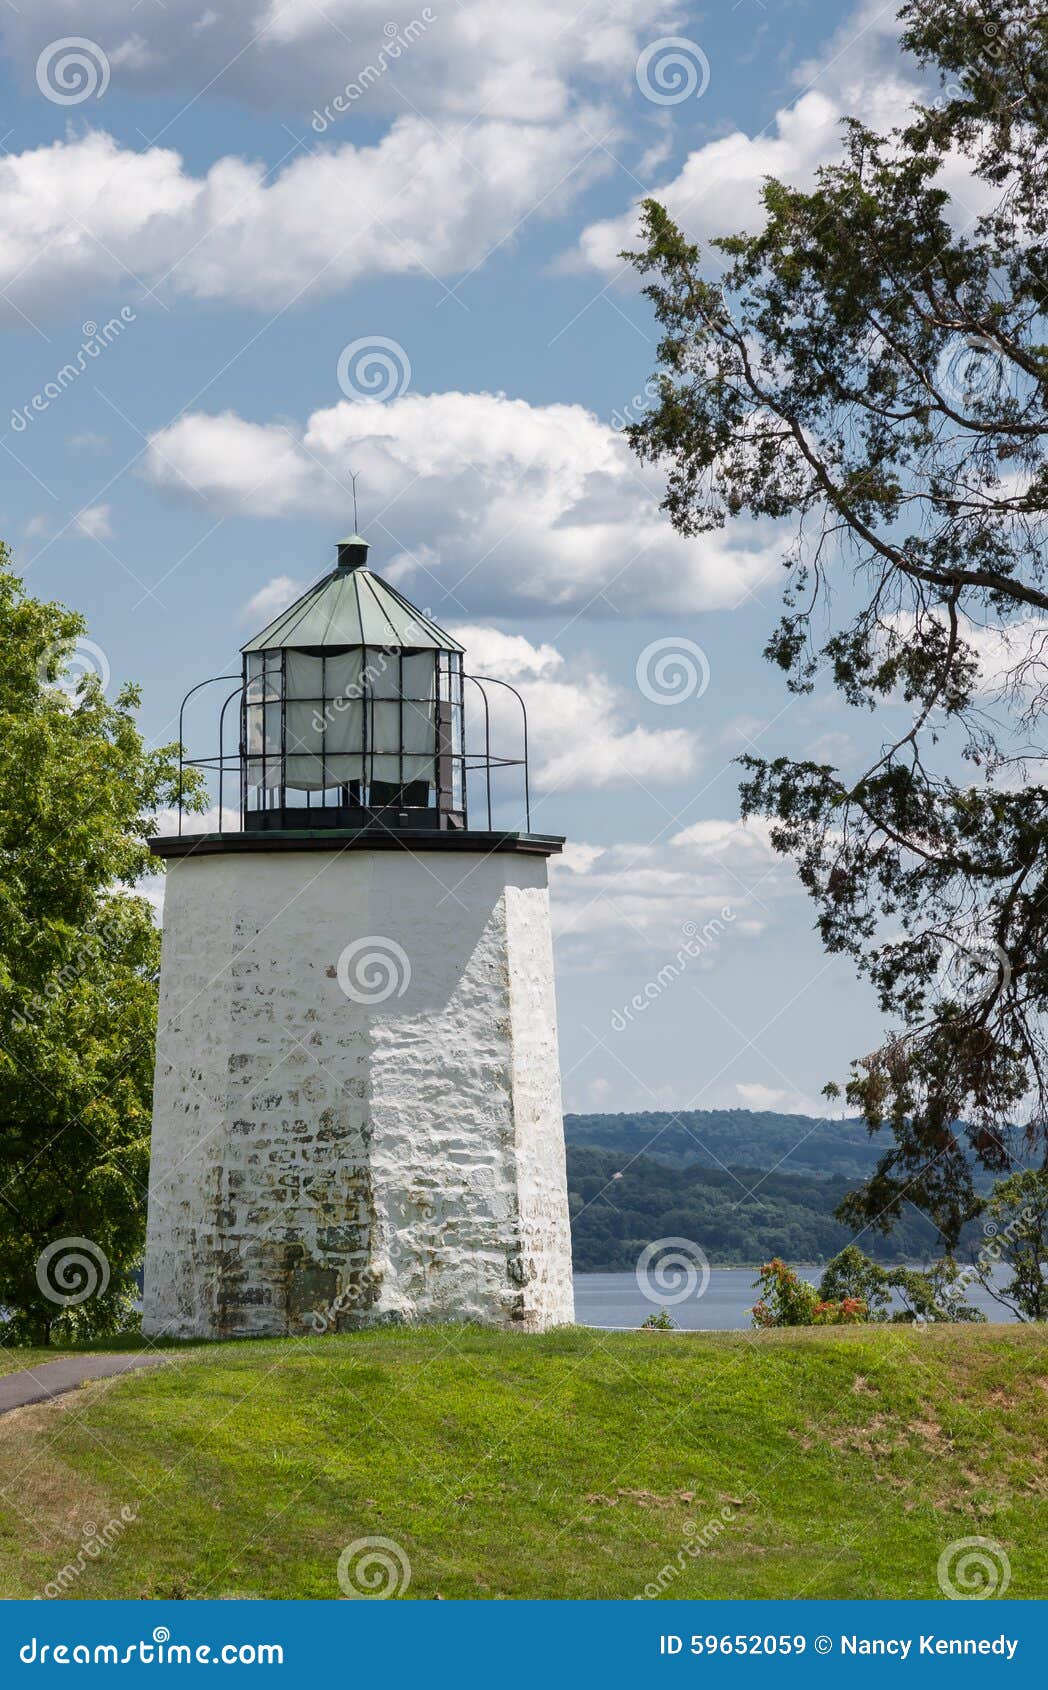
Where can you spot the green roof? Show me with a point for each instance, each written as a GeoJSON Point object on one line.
{"type": "Point", "coordinates": [352, 607]}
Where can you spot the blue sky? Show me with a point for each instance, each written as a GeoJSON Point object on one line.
{"type": "Point", "coordinates": [423, 287]}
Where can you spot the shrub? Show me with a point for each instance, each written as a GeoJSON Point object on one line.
{"type": "Point", "coordinates": [788, 1300]}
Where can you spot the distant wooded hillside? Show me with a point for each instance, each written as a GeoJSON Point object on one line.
{"type": "Point", "coordinates": [734, 1138]}
{"type": "Point", "coordinates": [744, 1185]}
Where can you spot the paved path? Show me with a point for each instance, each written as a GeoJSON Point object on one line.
{"type": "Point", "coordinates": [51, 1378]}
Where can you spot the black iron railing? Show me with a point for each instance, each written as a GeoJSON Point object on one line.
{"type": "Point", "coordinates": [268, 801]}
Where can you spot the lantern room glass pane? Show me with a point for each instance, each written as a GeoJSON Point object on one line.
{"type": "Point", "coordinates": [401, 720]}
{"type": "Point", "coordinates": [346, 719]}
{"type": "Point", "coordinates": [262, 719]}
{"type": "Point", "coordinates": [304, 675]}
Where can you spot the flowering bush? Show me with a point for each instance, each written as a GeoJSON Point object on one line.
{"type": "Point", "coordinates": [788, 1300]}
{"type": "Point", "coordinates": [848, 1312]}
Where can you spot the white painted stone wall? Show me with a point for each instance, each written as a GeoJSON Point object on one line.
{"type": "Point", "coordinates": [327, 1158]}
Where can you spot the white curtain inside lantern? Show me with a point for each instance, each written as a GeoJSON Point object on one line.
{"type": "Point", "coordinates": [361, 715]}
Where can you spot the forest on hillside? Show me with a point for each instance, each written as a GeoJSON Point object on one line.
{"type": "Point", "coordinates": [742, 1184]}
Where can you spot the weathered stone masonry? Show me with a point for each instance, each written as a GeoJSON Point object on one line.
{"type": "Point", "coordinates": [324, 1160]}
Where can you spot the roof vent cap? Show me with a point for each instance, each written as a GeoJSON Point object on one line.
{"type": "Point", "coordinates": [352, 553]}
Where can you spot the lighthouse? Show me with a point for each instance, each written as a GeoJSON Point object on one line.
{"type": "Point", "coordinates": [357, 1110]}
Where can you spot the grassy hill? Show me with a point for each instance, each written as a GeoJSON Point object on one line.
{"type": "Point", "coordinates": [581, 1464]}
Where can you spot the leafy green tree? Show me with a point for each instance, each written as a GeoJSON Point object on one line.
{"type": "Point", "coordinates": [852, 1274]}
{"type": "Point", "coordinates": [936, 1294]}
{"type": "Point", "coordinates": [1016, 1222]}
{"type": "Point", "coordinates": [933, 1294]}
{"type": "Point", "coordinates": [870, 369]}
{"type": "Point", "coordinates": [79, 954]}
{"type": "Point", "coordinates": [788, 1300]}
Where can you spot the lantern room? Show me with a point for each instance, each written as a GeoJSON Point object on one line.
{"type": "Point", "coordinates": [351, 707]}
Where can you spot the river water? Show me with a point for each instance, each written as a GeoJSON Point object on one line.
{"type": "Point", "coordinates": [615, 1299]}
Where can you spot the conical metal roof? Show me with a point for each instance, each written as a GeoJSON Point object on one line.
{"type": "Point", "coordinates": [353, 607]}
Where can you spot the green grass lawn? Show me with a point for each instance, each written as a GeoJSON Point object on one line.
{"type": "Point", "coordinates": [836, 1462]}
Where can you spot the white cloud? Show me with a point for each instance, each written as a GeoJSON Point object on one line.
{"type": "Point", "coordinates": [192, 822]}
{"type": "Point", "coordinates": [491, 500]}
{"type": "Point", "coordinates": [638, 902]}
{"type": "Point", "coordinates": [717, 192]}
{"type": "Point", "coordinates": [92, 213]}
{"type": "Point", "coordinates": [270, 600]}
{"type": "Point", "coordinates": [1012, 656]}
{"type": "Point", "coordinates": [522, 62]}
{"type": "Point", "coordinates": [579, 728]}
{"type": "Point", "coordinates": [836, 748]}
{"type": "Point", "coordinates": [93, 522]}
{"type": "Point", "coordinates": [154, 886]}
{"type": "Point", "coordinates": [859, 73]}
{"type": "Point", "coordinates": [779, 1099]}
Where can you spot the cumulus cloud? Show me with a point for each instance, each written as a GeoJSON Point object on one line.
{"type": "Point", "coordinates": [717, 192]}
{"type": "Point", "coordinates": [1012, 656]}
{"type": "Point", "coordinates": [94, 522]}
{"type": "Point", "coordinates": [90, 212]}
{"type": "Point", "coordinates": [295, 56]}
{"type": "Point", "coordinates": [579, 727]}
{"type": "Point", "coordinates": [270, 600]}
{"type": "Point", "coordinates": [641, 902]}
{"type": "Point", "coordinates": [492, 501]}
{"type": "Point", "coordinates": [859, 73]}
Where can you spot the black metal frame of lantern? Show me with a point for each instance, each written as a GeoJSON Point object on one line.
{"type": "Point", "coordinates": [361, 803]}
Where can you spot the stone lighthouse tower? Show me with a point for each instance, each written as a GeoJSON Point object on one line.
{"type": "Point", "coordinates": [357, 1112]}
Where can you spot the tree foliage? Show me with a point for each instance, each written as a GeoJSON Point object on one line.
{"type": "Point", "coordinates": [788, 1300]}
{"type": "Point", "coordinates": [870, 371]}
{"type": "Point", "coordinates": [1016, 1228]}
{"type": "Point", "coordinates": [79, 956]}
{"type": "Point", "coordinates": [900, 1294]}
